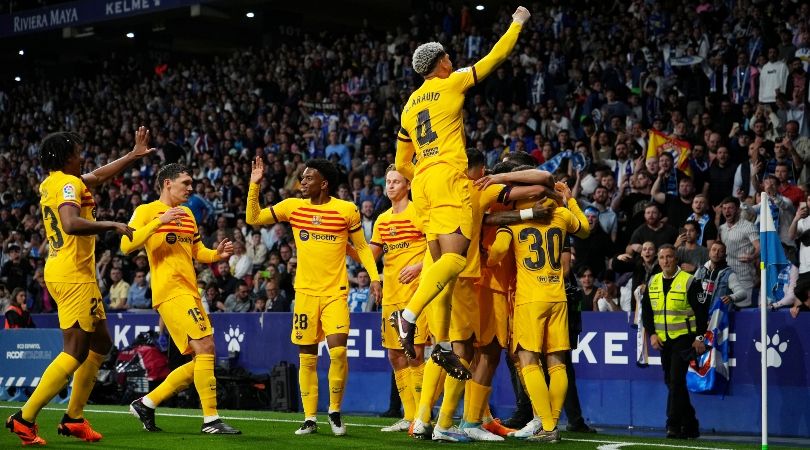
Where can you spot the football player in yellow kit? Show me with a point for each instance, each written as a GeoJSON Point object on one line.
{"type": "Point", "coordinates": [322, 227]}
{"type": "Point", "coordinates": [169, 234]}
{"type": "Point", "coordinates": [399, 239]}
{"type": "Point", "coordinates": [69, 215]}
{"type": "Point", "coordinates": [432, 132]}
{"type": "Point", "coordinates": [541, 314]}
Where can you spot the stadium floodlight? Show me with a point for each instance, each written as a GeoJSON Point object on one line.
{"type": "Point", "coordinates": [17, 79]}
{"type": "Point", "coordinates": [130, 35]}
{"type": "Point", "coordinates": [479, 7]}
{"type": "Point", "coordinates": [21, 52]}
{"type": "Point", "coordinates": [250, 15]}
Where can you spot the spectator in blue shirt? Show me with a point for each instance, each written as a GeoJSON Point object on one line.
{"type": "Point", "coordinates": [140, 295]}
{"type": "Point", "coordinates": [339, 149]}
{"type": "Point", "coordinates": [359, 297]}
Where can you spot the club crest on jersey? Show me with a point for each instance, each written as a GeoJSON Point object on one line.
{"type": "Point", "coordinates": [178, 222]}
{"type": "Point", "coordinates": [202, 326]}
{"type": "Point", "coordinates": [393, 230]}
{"type": "Point", "coordinates": [316, 220]}
{"type": "Point", "coordinates": [299, 335]}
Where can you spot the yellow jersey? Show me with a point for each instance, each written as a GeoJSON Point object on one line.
{"type": "Point", "coordinates": [501, 277]}
{"type": "Point", "coordinates": [171, 249]}
{"type": "Point", "coordinates": [321, 233]}
{"type": "Point", "coordinates": [481, 201]}
{"type": "Point", "coordinates": [538, 250]}
{"type": "Point", "coordinates": [431, 119]}
{"type": "Point", "coordinates": [71, 259]}
{"type": "Point", "coordinates": [403, 242]}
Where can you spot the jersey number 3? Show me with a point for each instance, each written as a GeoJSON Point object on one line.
{"type": "Point", "coordinates": [424, 131]}
{"type": "Point", "coordinates": [550, 253]}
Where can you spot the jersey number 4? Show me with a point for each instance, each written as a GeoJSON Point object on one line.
{"type": "Point", "coordinates": [424, 131]}
{"type": "Point", "coordinates": [541, 253]}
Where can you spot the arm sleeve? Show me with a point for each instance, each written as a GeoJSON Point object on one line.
{"type": "Point", "coordinates": [499, 248]}
{"type": "Point", "coordinates": [254, 214]}
{"type": "Point", "coordinates": [364, 253]}
{"type": "Point", "coordinates": [578, 224]}
{"type": "Point", "coordinates": [701, 309]}
{"type": "Point", "coordinates": [404, 156]}
{"type": "Point", "coordinates": [646, 313]}
{"type": "Point", "coordinates": [141, 233]}
{"type": "Point", "coordinates": [738, 292]}
{"type": "Point", "coordinates": [500, 51]}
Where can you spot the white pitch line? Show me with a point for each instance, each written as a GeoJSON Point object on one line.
{"type": "Point", "coordinates": [264, 419]}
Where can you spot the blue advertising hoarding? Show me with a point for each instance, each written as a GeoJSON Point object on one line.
{"type": "Point", "coordinates": [613, 389]}
{"type": "Point", "coordinates": [83, 12]}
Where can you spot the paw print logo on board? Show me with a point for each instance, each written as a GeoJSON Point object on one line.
{"type": "Point", "coordinates": [234, 338]}
{"type": "Point", "coordinates": [773, 348]}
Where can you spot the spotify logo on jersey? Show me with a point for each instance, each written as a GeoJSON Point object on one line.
{"type": "Point", "coordinates": [171, 238]}
{"type": "Point", "coordinates": [304, 235]}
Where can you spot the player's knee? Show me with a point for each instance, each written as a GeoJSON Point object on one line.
{"type": "Point", "coordinates": [204, 346]}
{"type": "Point", "coordinates": [397, 359]}
{"type": "Point", "coordinates": [337, 353]}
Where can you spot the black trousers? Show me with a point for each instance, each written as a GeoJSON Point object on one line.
{"type": "Point", "coordinates": [572, 408]}
{"type": "Point", "coordinates": [675, 362]}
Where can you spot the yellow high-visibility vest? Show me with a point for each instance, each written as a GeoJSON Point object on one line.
{"type": "Point", "coordinates": [672, 315]}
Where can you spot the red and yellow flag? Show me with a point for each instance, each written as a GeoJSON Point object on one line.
{"type": "Point", "coordinates": [659, 142]}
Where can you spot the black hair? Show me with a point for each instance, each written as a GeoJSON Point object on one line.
{"type": "Point", "coordinates": [504, 167]}
{"type": "Point", "coordinates": [169, 172]}
{"type": "Point", "coordinates": [522, 158]}
{"type": "Point", "coordinates": [731, 199]}
{"type": "Point", "coordinates": [668, 247]}
{"type": "Point", "coordinates": [475, 158]}
{"type": "Point", "coordinates": [57, 148]}
{"type": "Point", "coordinates": [327, 170]}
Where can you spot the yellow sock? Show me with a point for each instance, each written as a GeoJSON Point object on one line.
{"type": "Point", "coordinates": [538, 394]}
{"type": "Point", "coordinates": [417, 374]}
{"type": "Point", "coordinates": [465, 410]}
{"type": "Point", "coordinates": [475, 400]}
{"type": "Point", "coordinates": [439, 387]}
{"type": "Point", "coordinates": [445, 269]}
{"type": "Point", "coordinates": [453, 389]}
{"type": "Point", "coordinates": [308, 383]}
{"type": "Point", "coordinates": [403, 378]}
{"type": "Point", "coordinates": [83, 381]}
{"type": "Point", "coordinates": [558, 387]}
{"type": "Point", "coordinates": [53, 380]}
{"type": "Point", "coordinates": [519, 371]}
{"type": "Point", "coordinates": [430, 385]}
{"type": "Point", "coordinates": [338, 372]}
{"type": "Point", "coordinates": [206, 384]}
{"type": "Point", "coordinates": [486, 416]}
{"type": "Point", "coordinates": [179, 379]}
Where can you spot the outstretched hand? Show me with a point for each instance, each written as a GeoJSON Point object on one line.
{"type": "Point", "coordinates": [141, 148]}
{"type": "Point", "coordinates": [376, 291]}
{"type": "Point", "coordinates": [257, 171]}
{"type": "Point", "coordinates": [225, 249]}
{"type": "Point", "coordinates": [521, 15]}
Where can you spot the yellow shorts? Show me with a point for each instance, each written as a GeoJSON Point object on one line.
{"type": "Point", "coordinates": [465, 321]}
{"type": "Point", "coordinates": [78, 302]}
{"type": "Point", "coordinates": [316, 317]}
{"type": "Point", "coordinates": [442, 198]}
{"type": "Point", "coordinates": [541, 327]}
{"type": "Point", "coordinates": [185, 318]}
{"type": "Point", "coordinates": [494, 310]}
{"type": "Point", "coordinates": [390, 338]}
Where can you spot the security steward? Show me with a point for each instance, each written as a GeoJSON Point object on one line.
{"type": "Point", "coordinates": [676, 322]}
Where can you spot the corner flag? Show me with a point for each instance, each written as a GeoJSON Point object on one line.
{"type": "Point", "coordinates": [772, 255]}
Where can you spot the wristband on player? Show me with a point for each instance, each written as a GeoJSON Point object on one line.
{"type": "Point", "coordinates": [526, 214]}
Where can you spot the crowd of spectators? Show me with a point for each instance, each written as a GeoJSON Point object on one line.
{"type": "Point", "coordinates": [588, 79]}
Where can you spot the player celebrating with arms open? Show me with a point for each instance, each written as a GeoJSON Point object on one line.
{"type": "Point", "coordinates": [322, 226]}
{"type": "Point", "coordinates": [433, 131]}
{"type": "Point", "coordinates": [69, 213]}
{"type": "Point", "coordinates": [169, 234]}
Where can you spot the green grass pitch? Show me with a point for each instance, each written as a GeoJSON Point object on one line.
{"type": "Point", "coordinates": [261, 429]}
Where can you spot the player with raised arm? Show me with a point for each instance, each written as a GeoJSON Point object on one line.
{"type": "Point", "coordinates": [322, 226]}
{"type": "Point", "coordinates": [432, 133]}
{"type": "Point", "coordinates": [541, 309]}
{"type": "Point", "coordinates": [398, 238]}
{"type": "Point", "coordinates": [69, 215]}
{"type": "Point", "coordinates": [169, 234]}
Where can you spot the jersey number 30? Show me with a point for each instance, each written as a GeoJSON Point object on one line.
{"type": "Point", "coordinates": [541, 253]}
